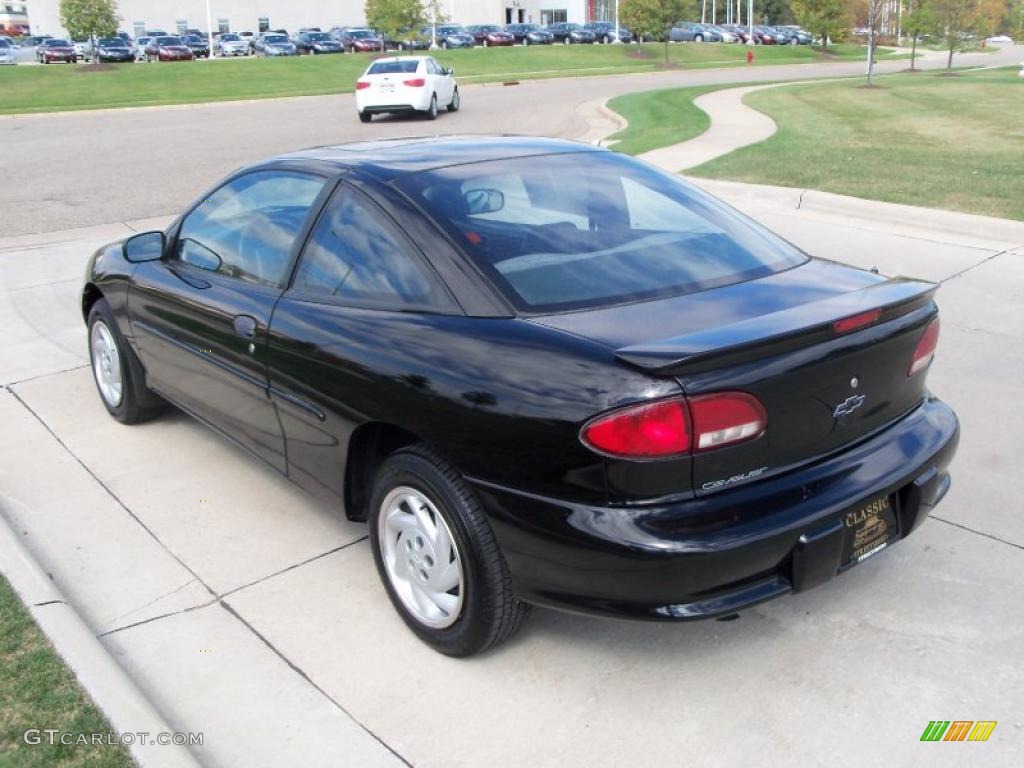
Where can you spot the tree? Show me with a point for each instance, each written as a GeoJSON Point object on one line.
{"type": "Point", "coordinates": [958, 21]}
{"type": "Point", "coordinates": [827, 18]}
{"type": "Point", "coordinates": [88, 19]}
{"type": "Point", "coordinates": [651, 19]}
{"type": "Point", "coordinates": [393, 18]}
{"type": "Point", "coordinates": [918, 22]}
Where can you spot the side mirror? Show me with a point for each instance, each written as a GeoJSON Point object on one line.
{"type": "Point", "coordinates": [449, 71]}
{"type": "Point", "coordinates": [149, 246]}
{"type": "Point", "coordinates": [484, 201]}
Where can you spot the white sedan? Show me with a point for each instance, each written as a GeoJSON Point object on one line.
{"type": "Point", "coordinates": [406, 84]}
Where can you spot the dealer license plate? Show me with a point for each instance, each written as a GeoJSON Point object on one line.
{"type": "Point", "coordinates": [869, 529]}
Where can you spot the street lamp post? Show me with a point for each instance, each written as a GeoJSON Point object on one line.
{"type": "Point", "coordinates": [617, 40]}
{"type": "Point", "coordinates": [209, 30]}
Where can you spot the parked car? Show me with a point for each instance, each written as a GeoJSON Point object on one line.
{"type": "Point", "coordinates": [141, 44]}
{"type": "Point", "coordinates": [741, 32]}
{"type": "Point", "coordinates": [7, 55]}
{"type": "Point", "coordinates": [999, 39]}
{"type": "Point", "coordinates": [453, 36]}
{"type": "Point", "coordinates": [604, 32]}
{"type": "Point", "coordinates": [83, 48]}
{"type": "Point", "coordinates": [803, 37]}
{"type": "Point", "coordinates": [168, 48]}
{"type": "Point", "coordinates": [691, 32]}
{"type": "Point", "coordinates": [725, 35]}
{"type": "Point", "coordinates": [408, 41]}
{"type": "Point", "coordinates": [34, 41]}
{"type": "Point", "coordinates": [275, 44]}
{"type": "Point", "coordinates": [530, 34]}
{"type": "Point", "coordinates": [317, 42]}
{"type": "Point", "coordinates": [406, 84]}
{"type": "Point", "coordinates": [358, 39]}
{"type": "Point", "coordinates": [250, 38]}
{"type": "Point", "coordinates": [487, 35]}
{"type": "Point", "coordinates": [765, 36]}
{"type": "Point", "coordinates": [112, 49]}
{"type": "Point", "coordinates": [542, 372]}
{"type": "Point", "coordinates": [56, 49]}
{"type": "Point", "coordinates": [566, 33]}
{"type": "Point", "coordinates": [232, 45]}
{"type": "Point", "coordinates": [199, 46]}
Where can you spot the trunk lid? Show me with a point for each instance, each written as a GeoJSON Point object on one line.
{"type": "Point", "coordinates": [774, 338]}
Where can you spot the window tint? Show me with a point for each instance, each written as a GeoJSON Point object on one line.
{"type": "Point", "coordinates": [247, 227]}
{"type": "Point", "coordinates": [356, 253]}
{"type": "Point", "coordinates": [587, 229]}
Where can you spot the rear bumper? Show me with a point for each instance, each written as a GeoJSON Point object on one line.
{"type": "Point", "coordinates": [714, 555]}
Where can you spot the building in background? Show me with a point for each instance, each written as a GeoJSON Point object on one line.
{"type": "Point", "coordinates": [172, 16]}
{"type": "Point", "coordinates": [14, 17]}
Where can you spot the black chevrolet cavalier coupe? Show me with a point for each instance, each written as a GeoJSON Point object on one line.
{"type": "Point", "coordinates": [543, 372]}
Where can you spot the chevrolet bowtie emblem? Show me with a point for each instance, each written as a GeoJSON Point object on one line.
{"type": "Point", "coordinates": [848, 406]}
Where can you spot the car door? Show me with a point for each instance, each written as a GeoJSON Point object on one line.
{"type": "Point", "coordinates": [443, 83]}
{"type": "Point", "coordinates": [346, 337]}
{"type": "Point", "coordinates": [200, 315]}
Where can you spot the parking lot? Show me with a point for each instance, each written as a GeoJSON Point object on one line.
{"type": "Point", "coordinates": [244, 609]}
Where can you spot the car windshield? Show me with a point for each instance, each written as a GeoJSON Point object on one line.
{"type": "Point", "coordinates": [393, 67]}
{"type": "Point", "coordinates": [361, 34]}
{"type": "Point", "coordinates": [491, 28]}
{"type": "Point", "coordinates": [318, 37]}
{"type": "Point", "coordinates": [451, 30]}
{"type": "Point", "coordinates": [168, 41]}
{"type": "Point", "coordinates": [4, 43]}
{"type": "Point", "coordinates": [230, 39]}
{"type": "Point", "coordinates": [530, 28]}
{"type": "Point", "coordinates": [275, 39]}
{"type": "Point", "coordinates": [113, 42]}
{"type": "Point", "coordinates": [56, 43]}
{"type": "Point", "coordinates": [590, 229]}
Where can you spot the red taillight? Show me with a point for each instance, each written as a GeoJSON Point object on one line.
{"type": "Point", "coordinates": [416, 82]}
{"type": "Point", "coordinates": [726, 418]}
{"type": "Point", "coordinates": [855, 322]}
{"type": "Point", "coordinates": [360, 84]}
{"type": "Point", "coordinates": [677, 426]}
{"type": "Point", "coordinates": [925, 349]}
{"type": "Point", "coordinates": [648, 431]}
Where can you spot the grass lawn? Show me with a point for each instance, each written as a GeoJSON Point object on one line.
{"type": "Point", "coordinates": [68, 87]}
{"type": "Point", "coordinates": [922, 139]}
{"type": "Point", "coordinates": [659, 118]}
{"type": "Point", "coordinates": [38, 691]}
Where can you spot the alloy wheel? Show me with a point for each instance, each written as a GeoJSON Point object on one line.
{"type": "Point", "coordinates": [106, 364]}
{"type": "Point", "coordinates": [421, 557]}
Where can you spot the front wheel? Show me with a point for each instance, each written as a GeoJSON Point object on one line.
{"type": "Point", "coordinates": [607, 40]}
{"type": "Point", "coordinates": [432, 109]}
{"type": "Point", "coordinates": [486, 44]}
{"type": "Point", "coordinates": [526, 41]}
{"type": "Point", "coordinates": [438, 558]}
{"type": "Point", "coordinates": [698, 39]}
{"type": "Point", "coordinates": [118, 374]}
{"type": "Point", "coordinates": [456, 102]}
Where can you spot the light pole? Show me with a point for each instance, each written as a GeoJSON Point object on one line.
{"type": "Point", "coordinates": [617, 40]}
{"type": "Point", "coordinates": [750, 19]}
{"type": "Point", "coordinates": [209, 30]}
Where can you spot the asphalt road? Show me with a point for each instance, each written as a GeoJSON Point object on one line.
{"type": "Point", "coordinates": [69, 170]}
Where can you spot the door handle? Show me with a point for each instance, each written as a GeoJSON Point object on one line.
{"type": "Point", "coordinates": [245, 326]}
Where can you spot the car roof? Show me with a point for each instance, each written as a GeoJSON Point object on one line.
{"type": "Point", "coordinates": [387, 159]}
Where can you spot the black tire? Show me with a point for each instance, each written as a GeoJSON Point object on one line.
{"type": "Point", "coordinates": [365, 117]}
{"type": "Point", "coordinates": [138, 403]}
{"type": "Point", "coordinates": [431, 112]}
{"type": "Point", "coordinates": [456, 101]}
{"type": "Point", "coordinates": [490, 613]}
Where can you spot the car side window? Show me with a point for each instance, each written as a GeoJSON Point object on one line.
{"type": "Point", "coordinates": [247, 228]}
{"type": "Point", "coordinates": [358, 255]}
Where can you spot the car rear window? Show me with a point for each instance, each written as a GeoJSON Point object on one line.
{"type": "Point", "coordinates": [402, 67]}
{"type": "Point", "coordinates": [589, 229]}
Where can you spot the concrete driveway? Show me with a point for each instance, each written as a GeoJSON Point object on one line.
{"type": "Point", "coordinates": [249, 612]}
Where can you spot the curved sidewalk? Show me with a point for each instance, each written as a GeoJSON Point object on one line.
{"type": "Point", "coordinates": [733, 125]}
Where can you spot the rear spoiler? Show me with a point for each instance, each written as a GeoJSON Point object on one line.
{"type": "Point", "coordinates": [779, 331]}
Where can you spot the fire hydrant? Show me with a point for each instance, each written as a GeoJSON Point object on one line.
{"type": "Point", "coordinates": [750, 57]}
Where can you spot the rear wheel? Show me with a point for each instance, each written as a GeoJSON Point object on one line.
{"type": "Point", "coordinates": [438, 558]}
{"type": "Point", "coordinates": [365, 117]}
{"type": "Point", "coordinates": [432, 109]}
{"type": "Point", "coordinates": [444, 44]}
{"type": "Point", "coordinates": [456, 102]}
{"type": "Point", "coordinates": [698, 38]}
{"type": "Point", "coordinates": [118, 374]}
{"type": "Point", "coordinates": [486, 44]}
{"type": "Point", "coordinates": [606, 40]}
{"type": "Point", "coordinates": [526, 41]}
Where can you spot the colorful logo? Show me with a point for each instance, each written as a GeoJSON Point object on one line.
{"type": "Point", "coordinates": [958, 730]}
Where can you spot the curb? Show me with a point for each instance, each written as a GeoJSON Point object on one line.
{"type": "Point", "coordinates": [109, 686]}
